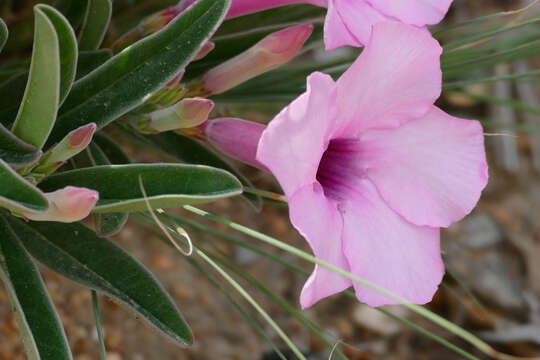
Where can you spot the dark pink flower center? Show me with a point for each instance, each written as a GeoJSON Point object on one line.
{"type": "Point", "coordinates": [340, 168]}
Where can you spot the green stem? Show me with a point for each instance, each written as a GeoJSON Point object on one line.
{"type": "Point", "coordinates": [266, 194]}
{"type": "Point", "coordinates": [95, 307]}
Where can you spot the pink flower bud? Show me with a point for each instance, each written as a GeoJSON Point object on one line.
{"type": "Point", "coordinates": [268, 54]}
{"type": "Point", "coordinates": [69, 204]}
{"type": "Point", "coordinates": [72, 144]}
{"type": "Point", "coordinates": [147, 26]}
{"type": "Point", "coordinates": [204, 50]}
{"type": "Point", "coordinates": [236, 138]}
{"type": "Point", "coordinates": [185, 114]}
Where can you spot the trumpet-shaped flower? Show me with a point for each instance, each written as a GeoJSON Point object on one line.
{"type": "Point", "coordinates": [349, 22]}
{"type": "Point", "coordinates": [372, 169]}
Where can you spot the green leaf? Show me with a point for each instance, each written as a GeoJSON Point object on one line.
{"type": "Point", "coordinates": [114, 153]}
{"type": "Point", "coordinates": [95, 24]}
{"type": "Point", "coordinates": [109, 224]}
{"type": "Point", "coordinates": [123, 82]}
{"type": "Point", "coordinates": [37, 112]}
{"type": "Point", "coordinates": [15, 151]}
{"type": "Point", "coordinates": [74, 10]}
{"type": "Point", "coordinates": [68, 49]}
{"type": "Point", "coordinates": [167, 185]}
{"type": "Point", "coordinates": [40, 327]}
{"type": "Point", "coordinates": [3, 34]}
{"type": "Point", "coordinates": [193, 152]}
{"type": "Point", "coordinates": [11, 94]}
{"type": "Point", "coordinates": [106, 224]}
{"type": "Point", "coordinates": [17, 194]}
{"type": "Point", "coordinates": [77, 253]}
{"type": "Point", "coordinates": [91, 60]}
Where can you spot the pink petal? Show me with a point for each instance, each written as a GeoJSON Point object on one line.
{"type": "Point", "coordinates": [396, 78]}
{"type": "Point", "coordinates": [431, 170]}
{"type": "Point", "coordinates": [318, 220]}
{"type": "Point", "coordinates": [415, 12]}
{"type": "Point", "coordinates": [292, 144]}
{"type": "Point", "coordinates": [385, 249]}
{"type": "Point", "coordinates": [349, 22]}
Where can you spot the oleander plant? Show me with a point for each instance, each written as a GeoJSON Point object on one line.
{"type": "Point", "coordinates": [370, 168]}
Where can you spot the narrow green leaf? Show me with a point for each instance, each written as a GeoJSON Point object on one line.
{"type": "Point", "coordinates": [91, 60]}
{"type": "Point", "coordinates": [15, 151]}
{"type": "Point", "coordinates": [95, 24]}
{"type": "Point", "coordinates": [42, 333]}
{"type": "Point", "coordinates": [3, 34]}
{"type": "Point", "coordinates": [106, 224]}
{"type": "Point", "coordinates": [167, 185]}
{"type": "Point", "coordinates": [191, 151]}
{"type": "Point", "coordinates": [68, 49]}
{"type": "Point", "coordinates": [17, 194]}
{"type": "Point", "coordinates": [77, 253]}
{"type": "Point", "coordinates": [123, 82]}
{"type": "Point", "coordinates": [37, 112]}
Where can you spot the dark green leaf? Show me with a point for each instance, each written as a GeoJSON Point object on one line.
{"type": "Point", "coordinates": [15, 151]}
{"type": "Point", "coordinates": [90, 60]}
{"type": "Point", "coordinates": [193, 152]}
{"type": "Point", "coordinates": [167, 185]}
{"type": "Point", "coordinates": [37, 112]}
{"type": "Point", "coordinates": [3, 34]}
{"type": "Point", "coordinates": [95, 24]}
{"type": "Point", "coordinates": [17, 194]}
{"type": "Point", "coordinates": [74, 10]}
{"type": "Point", "coordinates": [11, 94]}
{"type": "Point", "coordinates": [110, 224]}
{"type": "Point", "coordinates": [77, 253]}
{"type": "Point", "coordinates": [123, 82]}
{"type": "Point", "coordinates": [68, 49]}
{"type": "Point", "coordinates": [42, 333]}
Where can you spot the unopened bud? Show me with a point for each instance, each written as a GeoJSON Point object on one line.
{"type": "Point", "coordinates": [69, 204]}
{"type": "Point", "coordinates": [236, 138]}
{"type": "Point", "coordinates": [74, 142]}
{"type": "Point", "coordinates": [147, 26]}
{"type": "Point", "coordinates": [185, 114]}
{"type": "Point", "coordinates": [268, 54]}
{"type": "Point", "coordinates": [204, 50]}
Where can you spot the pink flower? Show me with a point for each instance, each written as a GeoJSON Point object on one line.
{"type": "Point", "coordinates": [372, 169]}
{"type": "Point", "coordinates": [349, 22]}
{"type": "Point", "coordinates": [69, 204]}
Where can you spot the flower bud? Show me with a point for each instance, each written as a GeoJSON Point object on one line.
{"type": "Point", "coordinates": [69, 204]}
{"type": "Point", "coordinates": [268, 54]}
{"type": "Point", "coordinates": [236, 138]}
{"type": "Point", "coordinates": [147, 26]}
{"type": "Point", "coordinates": [185, 114]}
{"type": "Point", "coordinates": [204, 50]}
{"type": "Point", "coordinates": [74, 142]}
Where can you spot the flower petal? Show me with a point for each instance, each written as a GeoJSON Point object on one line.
{"type": "Point", "coordinates": [349, 22]}
{"type": "Point", "coordinates": [431, 170]}
{"type": "Point", "coordinates": [415, 12]}
{"type": "Point", "coordinates": [294, 141]}
{"type": "Point", "coordinates": [388, 251]}
{"type": "Point", "coordinates": [396, 78]}
{"type": "Point", "coordinates": [318, 220]}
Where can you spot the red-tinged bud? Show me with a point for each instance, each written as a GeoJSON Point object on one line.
{"type": "Point", "coordinates": [147, 26]}
{"type": "Point", "coordinates": [204, 50]}
{"type": "Point", "coordinates": [268, 54]}
{"type": "Point", "coordinates": [74, 142]}
{"type": "Point", "coordinates": [185, 114]}
{"type": "Point", "coordinates": [69, 204]}
{"type": "Point", "coordinates": [236, 138]}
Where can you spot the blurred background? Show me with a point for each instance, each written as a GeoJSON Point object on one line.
{"type": "Point", "coordinates": [492, 257]}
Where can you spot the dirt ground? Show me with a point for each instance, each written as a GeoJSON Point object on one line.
{"type": "Point", "coordinates": [492, 286]}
